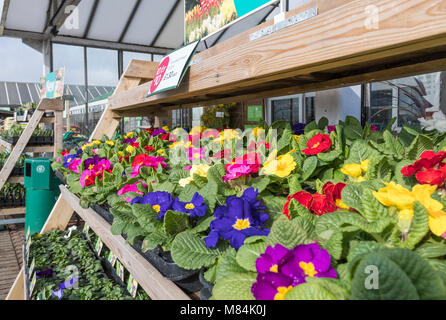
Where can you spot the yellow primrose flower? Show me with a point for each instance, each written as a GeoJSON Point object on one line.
{"type": "Point", "coordinates": [97, 142]}
{"type": "Point", "coordinates": [341, 204]}
{"type": "Point", "coordinates": [257, 131]}
{"type": "Point", "coordinates": [176, 145]}
{"type": "Point", "coordinates": [396, 195]}
{"type": "Point", "coordinates": [161, 152]}
{"type": "Point", "coordinates": [352, 169]}
{"type": "Point", "coordinates": [86, 146]}
{"type": "Point", "coordinates": [120, 153]}
{"type": "Point", "coordinates": [281, 167]}
{"type": "Point", "coordinates": [195, 130]}
{"type": "Point", "coordinates": [297, 138]}
{"type": "Point", "coordinates": [200, 169]}
{"type": "Point", "coordinates": [129, 135]}
{"type": "Point", "coordinates": [365, 165]}
{"type": "Point", "coordinates": [129, 149]}
{"type": "Point", "coordinates": [228, 134]}
{"type": "Point", "coordinates": [360, 179]}
{"type": "Point", "coordinates": [110, 143]}
{"type": "Point", "coordinates": [165, 128]}
{"type": "Point", "coordinates": [185, 181]}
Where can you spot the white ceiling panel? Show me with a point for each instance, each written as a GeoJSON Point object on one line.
{"type": "Point", "coordinates": [148, 20]}
{"type": "Point", "coordinates": [172, 35]}
{"type": "Point", "coordinates": [83, 14]}
{"type": "Point", "coordinates": [27, 15]}
{"type": "Point", "coordinates": [110, 19]}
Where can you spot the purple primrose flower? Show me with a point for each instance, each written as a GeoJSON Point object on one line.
{"type": "Point", "coordinates": [160, 201]}
{"type": "Point", "coordinates": [195, 208]}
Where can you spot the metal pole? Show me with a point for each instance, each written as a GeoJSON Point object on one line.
{"type": "Point", "coordinates": [67, 110]}
{"type": "Point", "coordinates": [86, 92]}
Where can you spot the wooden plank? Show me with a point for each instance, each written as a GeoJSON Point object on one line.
{"type": "Point", "coordinates": [141, 69]}
{"type": "Point", "coordinates": [21, 144]}
{"type": "Point", "coordinates": [47, 120]}
{"type": "Point", "coordinates": [17, 291]}
{"type": "Point", "coordinates": [51, 105]}
{"type": "Point", "coordinates": [150, 279]}
{"type": "Point", "coordinates": [39, 149]}
{"type": "Point", "coordinates": [329, 41]}
{"type": "Point", "coordinates": [12, 211]}
{"type": "Point", "coordinates": [58, 131]}
{"type": "Point", "coordinates": [16, 179]}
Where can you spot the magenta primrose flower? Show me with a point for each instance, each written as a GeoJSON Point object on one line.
{"type": "Point", "coordinates": [195, 153]}
{"type": "Point", "coordinates": [280, 269]}
{"type": "Point", "coordinates": [74, 165]}
{"type": "Point", "coordinates": [131, 188]}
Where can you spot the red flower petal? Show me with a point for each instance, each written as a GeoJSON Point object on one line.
{"type": "Point", "coordinates": [431, 176]}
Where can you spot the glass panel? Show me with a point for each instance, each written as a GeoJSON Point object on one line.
{"type": "Point", "coordinates": [295, 110]}
{"type": "Point", "coordinates": [196, 116]}
{"type": "Point", "coordinates": [72, 58]}
{"type": "Point", "coordinates": [309, 109]}
{"type": "Point", "coordinates": [380, 105]}
{"type": "Point", "coordinates": [128, 55]}
{"type": "Point", "coordinates": [281, 110]}
{"type": "Point", "coordinates": [102, 67]}
{"type": "Point", "coordinates": [408, 112]}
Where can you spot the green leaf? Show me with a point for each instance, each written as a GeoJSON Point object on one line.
{"type": "Point", "coordinates": [187, 193]}
{"type": "Point", "coordinates": [393, 146]}
{"type": "Point", "coordinates": [351, 196]}
{"type": "Point", "coordinates": [248, 254]}
{"type": "Point", "coordinates": [331, 240]}
{"type": "Point", "coordinates": [235, 287]}
{"type": "Point", "coordinates": [360, 151]}
{"type": "Point", "coordinates": [400, 274]}
{"type": "Point", "coordinates": [146, 216]}
{"type": "Point", "coordinates": [419, 226]}
{"type": "Point", "coordinates": [228, 264]}
{"type": "Point", "coordinates": [310, 127]}
{"type": "Point", "coordinates": [318, 289]}
{"type": "Point", "coordinates": [210, 275]}
{"type": "Point", "coordinates": [203, 224]}
{"type": "Point", "coordinates": [323, 122]}
{"type": "Point", "coordinates": [285, 140]}
{"type": "Point", "coordinates": [209, 193]}
{"type": "Point", "coordinates": [310, 164]}
{"type": "Point", "coordinates": [329, 156]}
{"type": "Point", "coordinates": [175, 222]}
{"type": "Point", "coordinates": [431, 250]}
{"type": "Point", "coordinates": [290, 233]}
{"type": "Point", "coordinates": [295, 209]}
{"type": "Point", "coordinates": [154, 239]}
{"type": "Point", "coordinates": [372, 209]}
{"type": "Point", "coordinates": [274, 203]}
{"type": "Point", "coordinates": [190, 252]}
{"type": "Point", "coordinates": [260, 183]}
{"type": "Point", "coordinates": [294, 184]}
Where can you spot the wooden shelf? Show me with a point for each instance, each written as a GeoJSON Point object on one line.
{"type": "Point", "coordinates": [12, 211]}
{"type": "Point", "coordinates": [150, 279]}
{"type": "Point", "coordinates": [16, 179]}
{"type": "Point", "coordinates": [333, 49]}
{"type": "Point", "coordinates": [34, 149]}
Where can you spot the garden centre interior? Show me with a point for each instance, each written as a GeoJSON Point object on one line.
{"type": "Point", "coordinates": [222, 150]}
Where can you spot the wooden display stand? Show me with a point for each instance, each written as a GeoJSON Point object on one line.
{"type": "Point", "coordinates": [46, 105]}
{"type": "Point", "coordinates": [337, 48]}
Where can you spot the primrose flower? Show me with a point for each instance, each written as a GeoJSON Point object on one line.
{"type": "Point", "coordinates": [74, 165]}
{"type": "Point", "coordinates": [128, 141]}
{"type": "Point", "coordinates": [434, 172]}
{"type": "Point", "coordinates": [131, 188]}
{"type": "Point", "coordinates": [227, 134]}
{"type": "Point", "coordinates": [195, 208]}
{"type": "Point", "coordinates": [210, 133]}
{"type": "Point", "coordinates": [129, 135]}
{"type": "Point", "coordinates": [196, 130]}
{"type": "Point", "coordinates": [355, 170]}
{"type": "Point", "coordinates": [68, 159]}
{"type": "Point", "coordinates": [195, 153]}
{"type": "Point", "coordinates": [110, 143]}
{"type": "Point", "coordinates": [240, 218]}
{"type": "Point", "coordinates": [160, 201]}
{"type": "Point", "coordinates": [317, 144]}
{"type": "Point", "coordinates": [165, 128]}
{"type": "Point", "coordinates": [129, 149]}
{"type": "Point", "coordinates": [200, 169]}
{"type": "Point", "coordinates": [157, 132]}
{"type": "Point", "coordinates": [281, 167]}
{"type": "Point", "coordinates": [144, 160]}
{"type": "Point", "coordinates": [395, 195]}
{"type": "Point", "coordinates": [88, 178]}
{"type": "Point", "coordinates": [96, 142]}
{"type": "Point", "coordinates": [298, 128]}
{"type": "Point", "coordinates": [281, 269]}
{"type": "Point", "coordinates": [242, 166]}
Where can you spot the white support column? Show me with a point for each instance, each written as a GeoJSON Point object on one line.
{"type": "Point", "coordinates": [46, 53]}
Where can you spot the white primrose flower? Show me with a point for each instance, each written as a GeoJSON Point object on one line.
{"type": "Point", "coordinates": [437, 122]}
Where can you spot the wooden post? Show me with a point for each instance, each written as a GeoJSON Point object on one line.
{"type": "Point", "coordinates": [58, 131]}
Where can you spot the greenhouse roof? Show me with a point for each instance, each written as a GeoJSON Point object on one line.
{"type": "Point", "coordinates": [19, 93]}
{"type": "Point", "coordinates": [134, 25]}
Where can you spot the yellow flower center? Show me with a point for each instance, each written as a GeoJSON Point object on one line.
{"type": "Point", "coordinates": [241, 224]}
{"type": "Point", "coordinates": [196, 155]}
{"type": "Point", "coordinates": [341, 204]}
{"type": "Point", "coordinates": [315, 145]}
{"type": "Point", "coordinates": [274, 268]}
{"type": "Point", "coordinates": [190, 206]}
{"type": "Point", "coordinates": [308, 268]}
{"type": "Point", "coordinates": [156, 207]}
{"type": "Point", "coordinates": [90, 167]}
{"type": "Point", "coordinates": [281, 292]}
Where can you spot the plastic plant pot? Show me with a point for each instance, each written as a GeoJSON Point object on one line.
{"type": "Point", "coordinates": [103, 211]}
{"type": "Point", "coordinates": [206, 285]}
{"type": "Point", "coordinates": [205, 294]}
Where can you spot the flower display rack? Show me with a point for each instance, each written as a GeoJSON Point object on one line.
{"type": "Point", "coordinates": [331, 50]}
{"type": "Point", "coordinates": [33, 144]}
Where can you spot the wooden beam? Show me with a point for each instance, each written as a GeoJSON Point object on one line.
{"type": "Point", "coordinates": [16, 180]}
{"type": "Point", "coordinates": [330, 41]}
{"type": "Point", "coordinates": [57, 21]}
{"type": "Point", "coordinates": [141, 69]}
{"type": "Point", "coordinates": [58, 131]}
{"type": "Point", "coordinates": [3, 15]}
{"type": "Point", "coordinates": [150, 279]}
{"type": "Point", "coordinates": [12, 211]}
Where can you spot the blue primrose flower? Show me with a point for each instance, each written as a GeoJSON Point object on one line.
{"type": "Point", "coordinates": [194, 208]}
{"type": "Point", "coordinates": [68, 159]}
{"type": "Point", "coordinates": [241, 218]}
{"type": "Point", "coordinates": [160, 201]}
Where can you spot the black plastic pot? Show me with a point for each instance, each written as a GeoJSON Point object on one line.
{"type": "Point", "coordinates": [17, 172]}
{"type": "Point", "coordinates": [103, 211]}
{"type": "Point", "coordinates": [205, 294]}
{"type": "Point", "coordinates": [188, 280]}
{"type": "Point", "coordinates": [61, 177]}
{"type": "Point", "coordinates": [204, 282]}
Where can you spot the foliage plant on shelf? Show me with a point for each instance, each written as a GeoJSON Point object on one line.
{"type": "Point", "coordinates": [274, 215]}
{"type": "Point", "coordinates": [66, 268]}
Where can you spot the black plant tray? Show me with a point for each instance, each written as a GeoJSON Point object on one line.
{"type": "Point", "coordinates": [11, 203]}
{"type": "Point", "coordinates": [17, 172]}
{"type": "Point", "coordinates": [61, 176]}
{"type": "Point", "coordinates": [206, 291]}
{"type": "Point", "coordinates": [104, 211]}
{"type": "Point", "coordinates": [33, 140]}
{"type": "Point", "coordinates": [188, 280]}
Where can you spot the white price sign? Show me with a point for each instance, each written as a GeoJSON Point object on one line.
{"type": "Point", "coordinates": [172, 69]}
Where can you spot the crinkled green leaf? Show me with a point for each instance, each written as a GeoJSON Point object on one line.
{"type": "Point", "coordinates": [235, 287]}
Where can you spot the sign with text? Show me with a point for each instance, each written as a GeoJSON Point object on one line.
{"type": "Point", "coordinates": [205, 17]}
{"type": "Point", "coordinates": [172, 69]}
{"type": "Point", "coordinates": [52, 84]}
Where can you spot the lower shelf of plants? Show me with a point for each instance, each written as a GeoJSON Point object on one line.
{"type": "Point", "coordinates": [12, 195]}
{"type": "Point", "coordinates": [68, 265]}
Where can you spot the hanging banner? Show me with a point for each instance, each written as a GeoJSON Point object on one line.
{"type": "Point", "coordinates": [52, 85]}
{"type": "Point", "coordinates": [205, 17]}
{"type": "Point", "coordinates": [172, 69]}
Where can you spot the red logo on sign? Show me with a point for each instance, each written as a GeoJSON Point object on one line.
{"type": "Point", "coordinates": [162, 68]}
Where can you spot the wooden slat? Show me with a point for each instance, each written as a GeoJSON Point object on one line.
{"type": "Point", "coordinates": [156, 286]}
{"type": "Point", "coordinates": [40, 149]}
{"type": "Point", "coordinates": [9, 267]}
{"type": "Point", "coordinates": [141, 69]}
{"type": "Point", "coordinates": [58, 131]}
{"type": "Point", "coordinates": [47, 120]}
{"type": "Point", "coordinates": [51, 105]}
{"type": "Point", "coordinates": [336, 39]}
{"type": "Point", "coordinates": [16, 179]}
{"type": "Point", "coordinates": [12, 211]}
